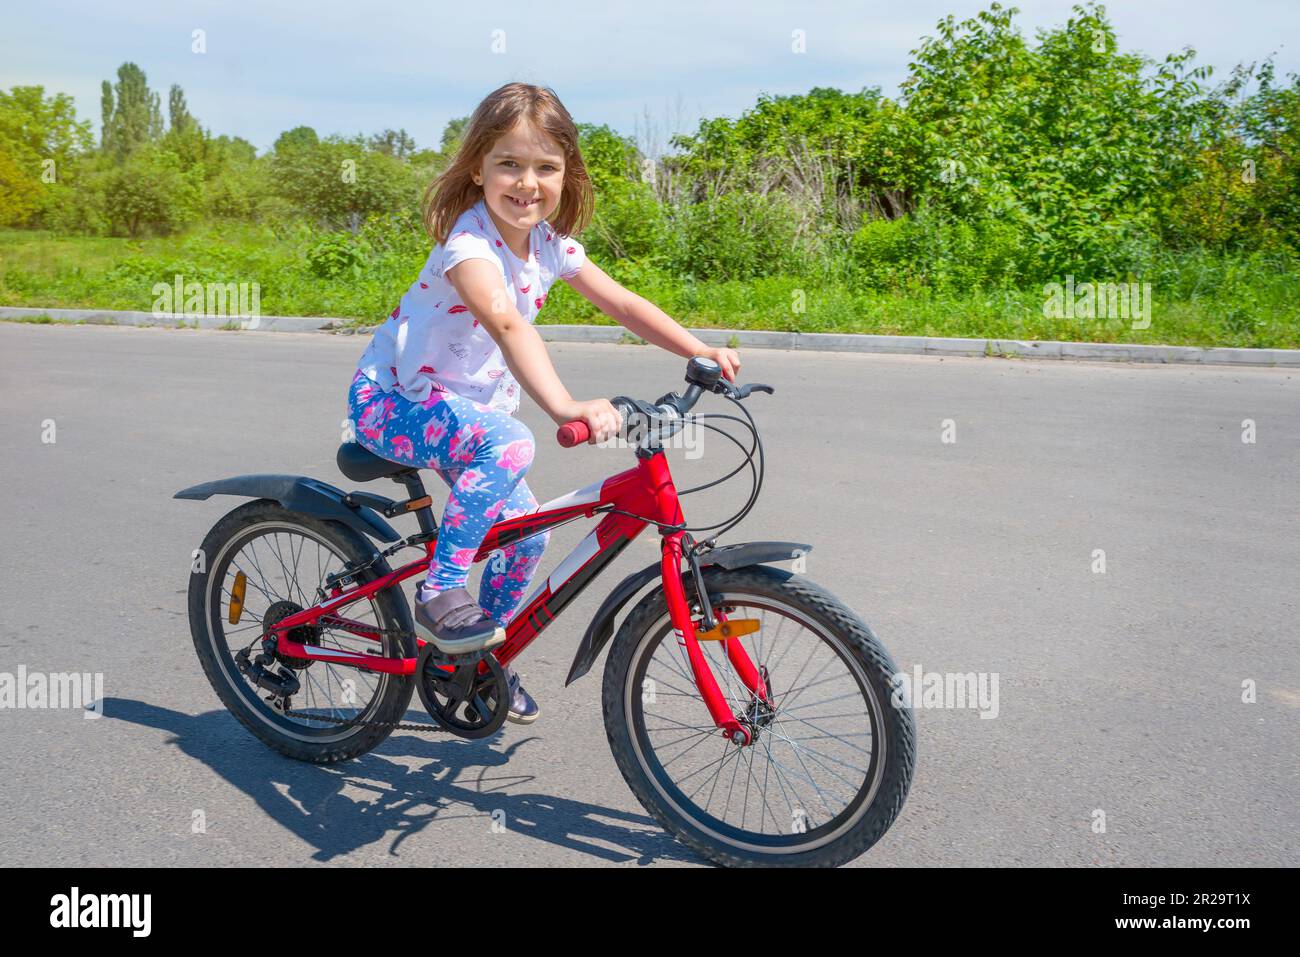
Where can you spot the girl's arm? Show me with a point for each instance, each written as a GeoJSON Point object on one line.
{"type": "Point", "coordinates": [479, 284]}
{"type": "Point", "coordinates": [647, 320]}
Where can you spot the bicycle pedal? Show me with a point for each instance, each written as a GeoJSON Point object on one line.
{"type": "Point", "coordinates": [455, 661]}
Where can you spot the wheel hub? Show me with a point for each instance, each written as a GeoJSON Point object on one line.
{"type": "Point", "coordinates": [303, 634]}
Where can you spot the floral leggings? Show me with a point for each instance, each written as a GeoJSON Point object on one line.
{"type": "Point", "coordinates": [483, 454]}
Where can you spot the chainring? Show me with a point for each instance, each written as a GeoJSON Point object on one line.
{"type": "Point", "coordinates": [466, 702]}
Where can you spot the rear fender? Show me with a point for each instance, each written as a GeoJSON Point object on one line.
{"type": "Point", "coordinates": [299, 493]}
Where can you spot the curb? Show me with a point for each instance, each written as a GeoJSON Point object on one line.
{"type": "Point", "coordinates": [802, 341]}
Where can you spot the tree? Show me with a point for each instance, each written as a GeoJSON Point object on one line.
{"type": "Point", "coordinates": [177, 111]}
{"type": "Point", "coordinates": [149, 192]}
{"type": "Point", "coordinates": [452, 134]}
{"type": "Point", "coordinates": [339, 182]}
{"type": "Point", "coordinates": [298, 138]}
{"type": "Point", "coordinates": [395, 143]}
{"type": "Point", "coordinates": [40, 141]}
{"type": "Point", "coordinates": [132, 115]}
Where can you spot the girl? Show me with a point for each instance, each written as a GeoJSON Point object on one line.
{"type": "Point", "coordinates": [439, 383]}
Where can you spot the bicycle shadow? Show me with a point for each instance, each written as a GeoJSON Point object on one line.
{"type": "Point", "coordinates": [313, 801]}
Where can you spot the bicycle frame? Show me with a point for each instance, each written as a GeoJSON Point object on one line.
{"type": "Point", "coordinates": [646, 490]}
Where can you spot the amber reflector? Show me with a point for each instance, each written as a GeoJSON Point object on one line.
{"type": "Point", "coordinates": [728, 629]}
{"type": "Point", "coordinates": [237, 598]}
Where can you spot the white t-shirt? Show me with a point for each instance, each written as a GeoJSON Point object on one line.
{"type": "Point", "coordinates": [432, 341]}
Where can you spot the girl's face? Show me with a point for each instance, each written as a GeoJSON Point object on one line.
{"type": "Point", "coordinates": [522, 177]}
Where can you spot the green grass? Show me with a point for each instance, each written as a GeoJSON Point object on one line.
{"type": "Point", "coordinates": [1197, 301]}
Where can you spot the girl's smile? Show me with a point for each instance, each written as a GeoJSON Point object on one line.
{"type": "Point", "coordinates": [522, 179]}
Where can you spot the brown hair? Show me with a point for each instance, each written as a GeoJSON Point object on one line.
{"type": "Point", "coordinates": [455, 191]}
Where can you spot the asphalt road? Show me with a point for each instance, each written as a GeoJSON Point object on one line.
{"type": "Point", "coordinates": [1119, 691]}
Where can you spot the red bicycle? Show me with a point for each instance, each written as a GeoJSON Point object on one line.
{"type": "Point", "coordinates": [748, 709]}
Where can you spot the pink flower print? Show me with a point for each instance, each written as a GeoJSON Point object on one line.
{"type": "Point", "coordinates": [464, 557]}
{"type": "Point", "coordinates": [517, 594]}
{"type": "Point", "coordinates": [458, 308]}
{"type": "Point", "coordinates": [402, 447]}
{"type": "Point", "coordinates": [466, 442]}
{"type": "Point", "coordinates": [396, 310]}
{"type": "Point", "coordinates": [496, 581]}
{"type": "Point", "coordinates": [550, 237]}
{"type": "Point", "coordinates": [539, 300]}
{"type": "Point", "coordinates": [472, 481]}
{"type": "Point", "coordinates": [435, 430]}
{"type": "Point", "coordinates": [498, 242]}
{"type": "Point", "coordinates": [373, 419]}
{"type": "Point", "coordinates": [425, 285]}
{"type": "Point", "coordinates": [454, 514]}
{"type": "Point", "coordinates": [372, 423]}
{"type": "Point", "coordinates": [510, 390]}
{"type": "Point", "coordinates": [524, 289]}
{"type": "Point", "coordinates": [365, 393]}
{"type": "Point", "coordinates": [571, 250]}
{"type": "Point", "coordinates": [495, 510]}
{"type": "Point", "coordinates": [516, 456]}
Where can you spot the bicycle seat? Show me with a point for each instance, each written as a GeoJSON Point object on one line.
{"type": "Point", "coordinates": [362, 465]}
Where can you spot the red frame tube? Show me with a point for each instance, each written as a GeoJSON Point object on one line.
{"type": "Point", "coordinates": [645, 490]}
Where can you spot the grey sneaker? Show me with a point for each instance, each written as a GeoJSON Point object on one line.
{"type": "Point", "coordinates": [523, 709]}
{"type": "Point", "coordinates": [455, 623]}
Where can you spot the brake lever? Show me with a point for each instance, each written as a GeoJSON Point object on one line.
{"type": "Point", "coordinates": [742, 392]}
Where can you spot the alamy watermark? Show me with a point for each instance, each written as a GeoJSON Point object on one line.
{"type": "Point", "coordinates": [217, 300]}
{"type": "Point", "coordinates": [58, 689]}
{"type": "Point", "coordinates": [1099, 300]}
{"type": "Point", "coordinates": [677, 434]}
{"type": "Point", "coordinates": [947, 690]}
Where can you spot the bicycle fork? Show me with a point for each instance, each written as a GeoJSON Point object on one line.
{"type": "Point", "coordinates": [684, 630]}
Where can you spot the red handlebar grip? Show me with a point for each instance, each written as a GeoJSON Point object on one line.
{"type": "Point", "coordinates": [573, 433]}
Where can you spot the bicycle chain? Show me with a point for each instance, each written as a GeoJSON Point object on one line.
{"type": "Point", "coordinates": [391, 725]}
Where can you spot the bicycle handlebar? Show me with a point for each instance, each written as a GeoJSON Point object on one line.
{"type": "Point", "coordinates": [701, 374]}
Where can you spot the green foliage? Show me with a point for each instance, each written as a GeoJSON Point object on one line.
{"type": "Point", "coordinates": [131, 113]}
{"type": "Point", "coordinates": [150, 192]}
{"type": "Point", "coordinates": [339, 182]}
{"type": "Point", "coordinates": [335, 255]}
{"type": "Point", "coordinates": [1005, 162]}
{"type": "Point", "coordinates": [40, 141]}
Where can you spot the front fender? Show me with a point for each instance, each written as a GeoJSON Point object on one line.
{"type": "Point", "coordinates": [729, 556]}
{"type": "Point", "coordinates": [300, 494]}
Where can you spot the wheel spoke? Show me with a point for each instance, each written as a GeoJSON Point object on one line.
{"type": "Point", "coordinates": [325, 687]}
{"type": "Point", "coordinates": [800, 753]}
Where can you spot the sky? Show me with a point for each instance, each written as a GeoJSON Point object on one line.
{"type": "Point", "coordinates": [645, 69]}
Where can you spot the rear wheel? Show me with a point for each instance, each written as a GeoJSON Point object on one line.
{"type": "Point", "coordinates": [282, 556]}
{"type": "Point", "coordinates": [831, 759]}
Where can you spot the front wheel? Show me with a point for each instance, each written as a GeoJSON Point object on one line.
{"type": "Point", "coordinates": [831, 759]}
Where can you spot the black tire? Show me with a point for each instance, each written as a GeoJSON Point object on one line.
{"type": "Point", "coordinates": [840, 839]}
{"type": "Point", "coordinates": [315, 742]}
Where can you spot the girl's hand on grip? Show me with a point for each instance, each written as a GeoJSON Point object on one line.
{"type": "Point", "coordinates": [601, 417]}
